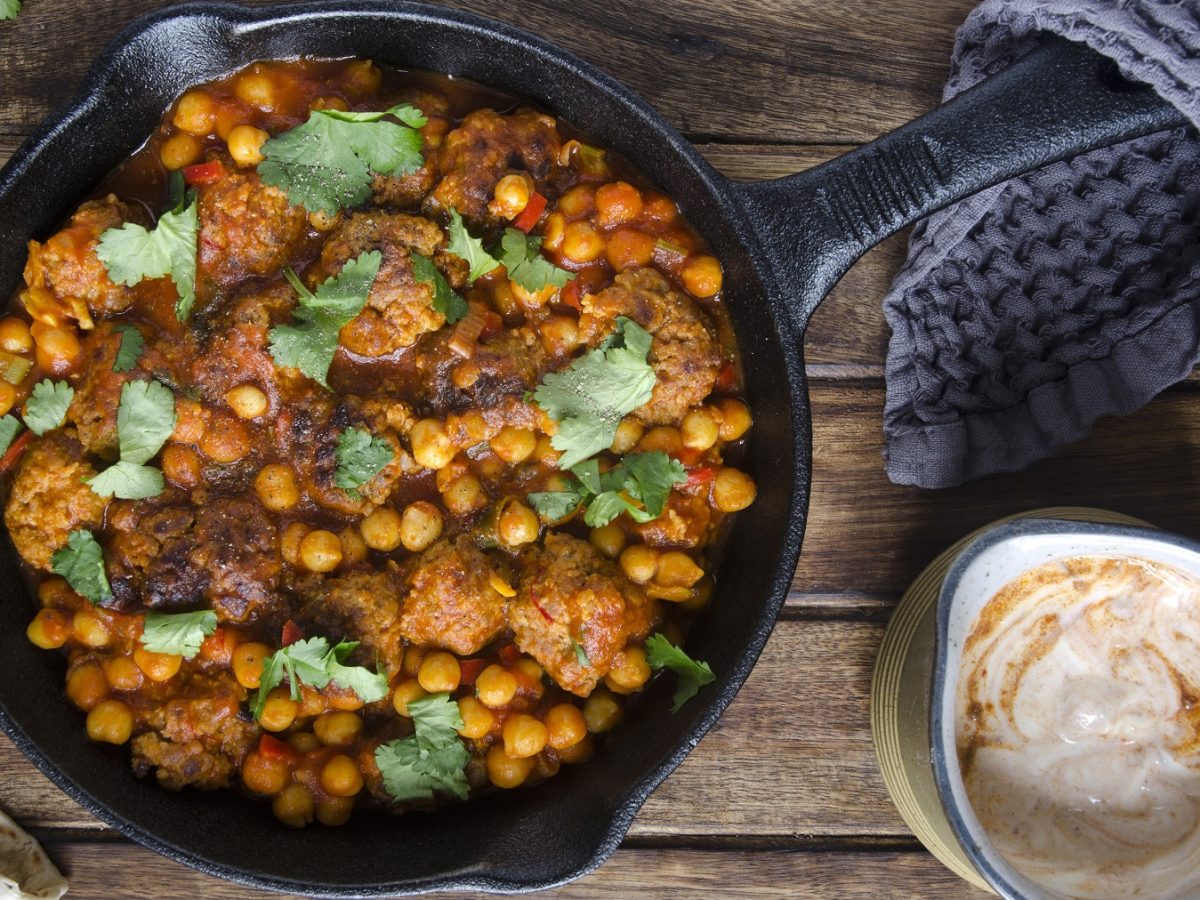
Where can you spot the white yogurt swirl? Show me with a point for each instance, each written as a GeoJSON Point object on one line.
{"type": "Point", "coordinates": [1078, 727]}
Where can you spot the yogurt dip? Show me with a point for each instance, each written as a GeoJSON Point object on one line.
{"type": "Point", "coordinates": [1078, 727]}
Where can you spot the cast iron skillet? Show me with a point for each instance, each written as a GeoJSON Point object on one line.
{"type": "Point", "coordinates": [783, 244]}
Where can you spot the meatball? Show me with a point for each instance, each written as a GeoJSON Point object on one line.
{"type": "Point", "coordinates": [399, 308]}
{"type": "Point", "coordinates": [570, 594]}
{"type": "Point", "coordinates": [485, 148]}
{"type": "Point", "coordinates": [683, 523]}
{"type": "Point", "coordinates": [49, 498]}
{"type": "Point", "coordinates": [247, 228]}
{"type": "Point", "coordinates": [684, 352]}
{"type": "Point", "coordinates": [503, 369]}
{"type": "Point", "coordinates": [451, 602]}
{"type": "Point", "coordinates": [407, 191]}
{"type": "Point", "coordinates": [66, 278]}
{"type": "Point", "coordinates": [361, 605]}
{"type": "Point", "coordinates": [236, 543]}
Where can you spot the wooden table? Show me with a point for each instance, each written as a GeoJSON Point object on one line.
{"type": "Point", "coordinates": [783, 797]}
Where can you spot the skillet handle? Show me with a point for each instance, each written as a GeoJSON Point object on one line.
{"type": "Point", "coordinates": [1060, 100]}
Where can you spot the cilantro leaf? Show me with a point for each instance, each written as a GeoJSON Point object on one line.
{"type": "Point", "coordinates": [313, 662]}
{"type": "Point", "coordinates": [589, 398]}
{"type": "Point", "coordinates": [693, 674]}
{"type": "Point", "coordinates": [10, 427]}
{"type": "Point", "coordinates": [446, 300]}
{"type": "Point", "coordinates": [81, 562]}
{"type": "Point", "coordinates": [649, 477]}
{"type": "Point", "coordinates": [9, 8]}
{"type": "Point", "coordinates": [132, 345]}
{"type": "Point", "coordinates": [128, 481]}
{"type": "Point", "coordinates": [131, 253]}
{"type": "Point", "coordinates": [145, 419]}
{"type": "Point", "coordinates": [47, 405]}
{"type": "Point", "coordinates": [431, 760]}
{"type": "Point", "coordinates": [310, 342]}
{"type": "Point", "coordinates": [178, 633]}
{"type": "Point", "coordinates": [326, 163]}
{"type": "Point", "coordinates": [360, 457]}
{"type": "Point", "coordinates": [581, 656]}
{"type": "Point", "coordinates": [469, 248]}
{"type": "Point", "coordinates": [555, 505]}
{"type": "Point", "coordinates": [522, 257]}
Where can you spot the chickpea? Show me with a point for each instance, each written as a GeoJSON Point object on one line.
{"type": "Point", "coordinates": [700, 428]}
{"type": "Point", "coordinates": [90, 629]}
{"type": "Point", "coordinates": [341, 777]}
{"type": "Point", "coordinates": [617, 203]}
{"type": "Point", "coordinates": [247, 401]}
{"type": "Point", "coordinates": [86, 685]}
{"type": "Point", "coordinates": [431, 445]}
{"type": "Point", "coordinates": [256, 88]}
{"type": "Point", "coordinates": [323, 221]}
{"type": "Point", "coordinates": [676, 569]}
{"type": "Point", "coordinates": [629, 248]}
{"type": "Point", "coordinates": [420, 525]}
{"type": "Point", "coordinates": [582, 243]}
{"type": "Point", "coordinates": [511, 196]}
{"type": "Point", "coordinates": [264, 774]}
{"type": "Point", "coordinates": [405, 693]}
{"type": "Point", "coordinates": [639, 563]}
{"type": "Point", "coordinates": [55, 589]}
{"type": "Point", "coordinates": [412, 660]}
{"type": "Point", "coordinates": [439, 671]}
{"type": "Point", "coordinates": [58, 349]}
{"type": "Point", "coordinates": [629, 432]}
{"type": "Point", "coordinates": [245, 144]}
{"type": "Point", "coordinates": [227, 442]}
{"type": "Point", "coordinates": [700, 596]}
{"type": "Point", "coordinates": [477, 718]}
{"type": "Point", "coordinates": [196, 113]}
{"type": "Point", "coordinates": [577, 753]}
{"type": "Point", "coordinates": [157, 666]}
{"type": "Point", "coordinates": [506, 772]}
{"type": "Point", "coordinates": [601, 711]}
{"type": "Point", "coordinates": [122, 673]}
{"type": "Point", "coordinates": [110, 721]}
{"type": "Point", "coordinates": [544, 452]}
{"type": "Point", "coordinates": [334, 811]}
{"type": "Point", "coordinates": [229, 117]}
{"type": "Point", "coordinates": [279, 711]}
{"type": "Point", "coordinates": [553, 229]}
{"type": "Point", "coordinates": [303, 741]}
{"type": "Point", "coordinates": [518, 524]}
{"type": "Point", "coordinates": [735, 418]}
{"type": "Point", "coordinates": [495, 686]}
{"type": "Point", "coordinates": [329, 102]}
{"type": "Point", "coordinates": [8, 397]}
{"type": "Point", "coordinates": [289, 542]}
{"type": "Point", "coordinates": [629, 671]}
{"type": "Point", "coordinates": [577, 202]}
{"type": "Point", "coordinates": [276, 487]}
{"type": "Point", "coordinates": [608, 539]}
{"type": "Point", "coordinates": [48, 629]}
{"type": "Point", "coordinates": [513, 445]}
{"type": "Point", "coordinates": [179, 150]}
{"type": "Point", "coordinates": [354, 548]}
{"type": "Point", "coordinates": [189, 421]}
{"type": "Point", "coordinates": [337, 729]}
{"type": "Point", "coordinates": [701, 275]}
{"type": "Point", "coordinates": [362, 77]}
{"type": "Point", "coordinates": [294, 806]}
{"type": "Point", "coordinates": [15, 336]}
{"type": "Point", "coordinates": [321, 551]}
{"type": "Point", "coordinates": [659, 208]}
{"type": "Point", "coordinates": [732, 490]}
{"type": "Point", "coordinates": [524, 736]}
{"type": "Point", "coordinates": [464, 496]}
{"type": "Point", "coordinates": [565, 726]}
{"type": "Point", "coordinates": [381, 530]}
{"type": "Point", "coordinates": [661, 437]}
{"type": "Point", "coordinates": [181, 466]}
{"type": "Point", "coordinates": [456, 468]}
{"type": "Point", "coordinates": [560, 334]}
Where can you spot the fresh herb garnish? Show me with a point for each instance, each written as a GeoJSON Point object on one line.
{"type": "Point", "coordinates": [432, 759]}
{"type": "Point", "coordinates": [132, 345]}
{"type": "Point", "coordinates": [47, 405]}
{"type": "Point", "coordinates": [581, 656]}
{"type": "Point", "coordinates": [10, 427]}
{"type": "Point", "coordinates": [9, 8]}
{"type": "Point", "coordinates": [360, 457]}
{"type": "Point", "coordinates": [131, 253]}
{"type": "Point", "coordinates": [310, 342]}
{"type": "Point", "coordinates": [589, 398]}
{"type": "Point", "coordinates": [522, 257]}
{"type": "Point", "coordinates": [145, 419]}
{"type": "Point", "coordinates": [469, 248]}
{"type": "Point", "coordinates": [178, 633]}
{"type": "Point", "coordinates": [693, 674]}
{"type": "Point", "coordinates": [315, 663]}
{"type": "Point", "coordinates": [326, 163]}
{"type": "Point", "coordinates": [81, 562]}
{"type": "Point", "coordinates": [644, 477]}
{"type": "Point", "coordinates": [445, 299]}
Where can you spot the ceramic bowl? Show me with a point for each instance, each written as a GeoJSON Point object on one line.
{"type": "Point", "coordinates": [992, 561]}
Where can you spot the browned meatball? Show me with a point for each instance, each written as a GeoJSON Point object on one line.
{"type": "Point", "coordinates": [486, 147]}
{"type": "Point", "coordinates": [66, 278]}
{"type": "Point", "coordinates": [684, 351]}
{"type": "Point", "coordinates": [504, 368]}
{"type": "Point", "coordinates": [451, 602]}
{"type": "Point", "coordinates": [407, 191]}
{"type": "Point", "coordinates": [363, 606]}
{"type": "Point", "coordinates": [683, 523]}
{"type": "Point", "coordinates": [247, 228]}
{"type": "Point", "coordinates": [570, 594]}
{"type": "Point", "coordinates": [399, 308]}
{"type": "Point", "coordinates": [49, 499]}
{"type": "Point", "coordinates": [237, 544]}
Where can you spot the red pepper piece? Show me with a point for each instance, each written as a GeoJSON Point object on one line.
{"type": "Point", "coordinates": [15, 451]}
{"type": "Point", "coordinates": [701, 475]}
{"type": "Point", "coordinates": [725, 379]}
{"type": "Point", "coordinates": [273, 748]}
{"type": "Point", "coordinates": [531, 213]}
{"type": "Point", "coordinates": [509, 653]}
{"type": "Point", "coordinates": [492, 325]}
{"type": "Point", "coordinates": [571, 293]}
{"type": "Point", "coordinates": [291, 633]}
{"type": "Point", "coordinates": [203, 173]}
{"type": "Point", "coordinates": [470, 669]}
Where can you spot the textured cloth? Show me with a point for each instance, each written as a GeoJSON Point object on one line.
{"type": "Point", "coordinates": [1029, 310]}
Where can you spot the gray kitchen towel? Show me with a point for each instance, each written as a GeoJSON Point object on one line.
{"type": "Point", "coordinates": [1028, 311]}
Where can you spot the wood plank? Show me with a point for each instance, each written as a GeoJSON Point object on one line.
{"type": "Point", "coordinates": [103, 871]}
{"type": "Point", "coordinates": [813, 746]}
{"type": "Point", "coordinates": [766, 71]}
